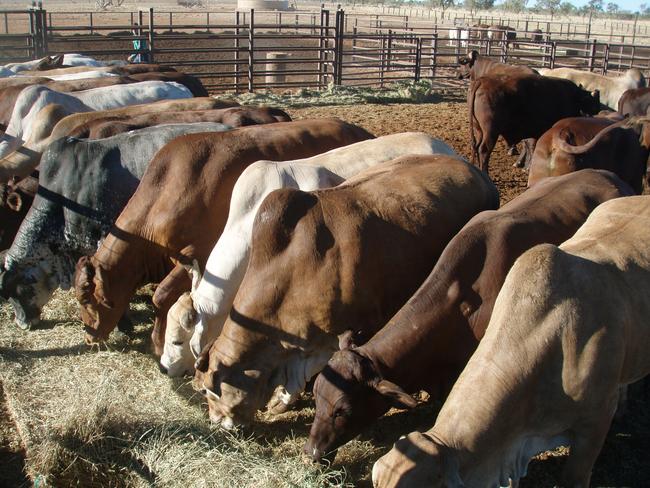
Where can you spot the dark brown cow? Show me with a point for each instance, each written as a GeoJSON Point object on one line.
{"type": "Point", "coordinates": [474, 66]}
{"type": "Point", "coordinates": [519, 107]}
{"type": "Point", "coordinates": [428, 342]}
{"type": "Point", "coordinates": [235, 117]}
{"type": "Point", "coordinates": [583, 142]}
{"type": "Point", "coordinates": [326, 260]}
{"type": "Point", "coordinates": [15, 201]}
{"type": "Point", "coordinates": [178, 212]}
{"type": "Point", "coordinates": [634, 102]}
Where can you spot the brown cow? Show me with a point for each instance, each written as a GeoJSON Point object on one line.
{"type": "Point", "coordinates": [569, 328]}
{"type": "Point", "coordinates": [232, 116]}
{"type": "Point", "coordinates": [127, 69]}
{"type": "Point", "coordinates": [583, 142]}
{"type": "Point", "coordinates": [427, 343]}
{"type": "Point", "coordinates": [15, 201]}
{"type": "Point", "coordinates": [178, 212]}
{"type": "Point", "coordinates": [520, 107]}
{"type": "Point", "coordinates": [634, 102]}
{"type": "Point", "coordinates": [472, 66]}
{"type": "Point", "coordinates": [325, 260]}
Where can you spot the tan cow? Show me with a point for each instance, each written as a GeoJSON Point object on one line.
{"type": "Point", "coordinates": [611, 88]}
{"type": "Point", "coordinates": [569, 327]}
{"type": "Point", "coordinates": [327, 260]}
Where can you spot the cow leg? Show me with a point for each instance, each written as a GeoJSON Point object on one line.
{"type": "Point", "coordinates": [585, 448]}
{"type": "Point", "coordinates": [526, 155]}
{"type": "Point", "coordinates": [485, 150]}
{"type": "Point", "coordinates": [169, 290]}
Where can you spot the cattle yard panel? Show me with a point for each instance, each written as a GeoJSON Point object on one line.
{"type": "Point", "coordinates": [253, 50]}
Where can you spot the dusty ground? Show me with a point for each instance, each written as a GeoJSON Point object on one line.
{"type": "Point", "coordinates": [47, 372]}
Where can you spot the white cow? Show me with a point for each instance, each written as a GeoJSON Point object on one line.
{"type": "Point", "coordinates": [570, 326]}
{"type": "Point", "coordinates": [454, 35]}
{"type": "Point", "coordinates": [68, 60]}
{"type": "Point", "coordinates": [214, 295]}
{"type": "Point", "coordinates": [611, 88]}
{"type": "Point", "coordinates": [31, 100]}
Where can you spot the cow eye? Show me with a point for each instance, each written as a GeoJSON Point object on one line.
{"type": "Point", "coordinates": [177, 343]}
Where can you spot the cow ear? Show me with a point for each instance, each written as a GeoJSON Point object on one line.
{"type": "Point", "coordinates": [202, 362]}
{"type": "Point", "coordinates": [395, 393]}
{"type": "Point", "coordinates": [14, 201]}
{"type": "Point", "coordinates": [84, 284]}
{"type": "Point", "coordinates": [473, 56]}
{"type": "Point", "coordinates": [102, 284]}
{"type": "Point", "coordinates": [57, 60]}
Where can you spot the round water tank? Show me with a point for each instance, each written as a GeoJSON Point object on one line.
{"type": "Point", "coordinates": [263, 4]}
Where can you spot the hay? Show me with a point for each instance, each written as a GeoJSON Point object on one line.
{"type": "Point", "coordinates": [398, 92]}
{"type": "Point", "coordinates": [109, 418]}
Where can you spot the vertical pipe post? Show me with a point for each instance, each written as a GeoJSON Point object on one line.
{"type": "Point", "coordinates": [151, 35]}
{"type": "Point", "coordinates": [237, 46]}
{"type": "Point", "coordinates": [251, 51]}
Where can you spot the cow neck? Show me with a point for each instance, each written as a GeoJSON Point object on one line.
{"type": "Point", "coordinates": [404, 346]}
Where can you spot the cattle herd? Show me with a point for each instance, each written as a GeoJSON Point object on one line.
{"type": "Point", "coordinates": [291, 251]}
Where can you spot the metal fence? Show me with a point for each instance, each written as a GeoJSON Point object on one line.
{"type": "Point", "coordinates": [248, 51]}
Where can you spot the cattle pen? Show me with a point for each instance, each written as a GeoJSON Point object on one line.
{"type": "Point", "coordinates": [249, 50]}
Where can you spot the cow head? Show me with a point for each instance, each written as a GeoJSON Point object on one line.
{"type": "Point", "coordinates": [49, 62]}
{"type": "Point", "coordinates": [589, 102]}
{"type": "Point", "coordinates": [350, 394]}
{"type": "Point", "coordinates": [227, 389]}
{"type": "Point", "coordinates": [177, 358]}
{"type": "Point", "coordinates": [96, 309]}
{"type": "Point", "coordinates": [28, 289]}
{"type": "Point", "coordinates": [465, 65]}
{"type": "Point", "coordinates": [416, 460]}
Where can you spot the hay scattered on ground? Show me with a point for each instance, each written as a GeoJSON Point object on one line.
{"type": "Point", "coordinates": [109, 418]}
{"type": "Point", "coordinates": [398, 92]}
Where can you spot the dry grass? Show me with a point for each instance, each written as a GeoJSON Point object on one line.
{"type": "Point", "coordinates": [109, 418]}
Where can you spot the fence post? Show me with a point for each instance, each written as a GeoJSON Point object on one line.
{"type": "Point", "coordinates": [553, 52]}
{"type": "Point", "coordinates": [151, 36]}
{"type": "Point", "coordinates": [338, 47]}
{"type": "Point", "coordinates": [323, 46]}
{"type": "Point", "coordinates": [418, 58]}
{"type": "Point", "coordinates": [606, 59]}
{"type": "Point", "coordinates": [237, 46]}
{"type": "Point", "coordinates": [382, 60]}
{"type": "Point", "coordinates": [171, 22]}
{"type": "Point", "coordinates": [91, 23]}
{"type": "Point", "coordinates": [6, 23]}
{"type": "Point", "coordinates": [389, 50]}
{"type": "Point", "coordinates": [251, 51]}
{"type": "Point", "coordinates": [592, 55]}
{"type": "Point", "coordinates": [457, 45]}
{"type": "Point", "coordinates": [434, 55]}
{"type": "Point", "coordinates": [44, 45]}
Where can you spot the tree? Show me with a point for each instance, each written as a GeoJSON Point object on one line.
{"type": "Point", "coordinates": [550, 6]}
{"type": "Point", "coordinates": [474, 5]}
{"type": "Point", "coordinates": [595, 5]}
{"type": "Point", "coordinates": [567, 8]}
{"type": "Point", "coordinates": [612, 8]}
{"type": "Point", "coordinates": [516, 6]}
{"type": "Point", "coordinates": [442, 4]}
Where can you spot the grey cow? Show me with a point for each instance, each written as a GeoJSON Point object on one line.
{"type": "Point", "coordinates": [83, 186]}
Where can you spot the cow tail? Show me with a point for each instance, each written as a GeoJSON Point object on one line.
{"type": "Point", "coordinates": [471, 97]}
{"type": "Point", "coordinates": [564, 146]}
